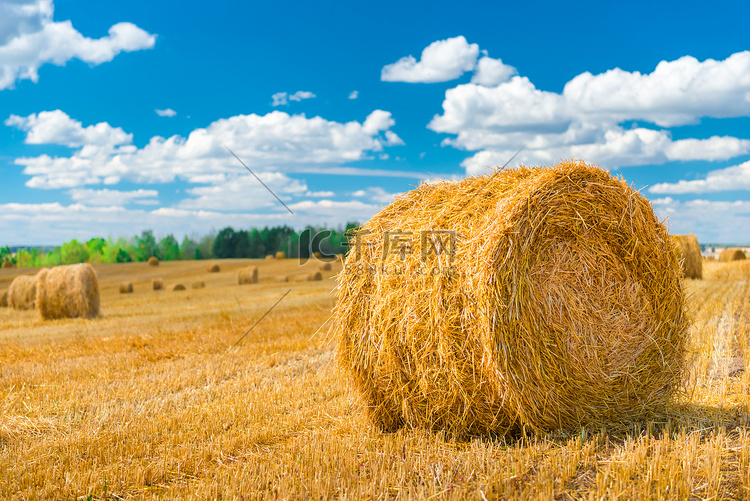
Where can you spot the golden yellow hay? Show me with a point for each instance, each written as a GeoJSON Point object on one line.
{"type": "Point", "coordinates": [67, 292]}
{"type": "Point", "coordinates": [731, 255]}
{"type": "Point", "coordinates": [313, 277]}
{"type": "Point", "coordinates": [325, 267]}
{"type": "Point", "coordinates": [4, 299]}
{"type": "Point", "coordinates": [282, 278]}
{"type": "Point", "coordinates": [197, 285]}
{"type": "Point", "coordinates": [270, 256]}
{"type": "Point", "coordinates": [22, 292]}
{"type": "Point", "coordinates": [157, 284]}
{"type": "Point", "coordinates": [689, 254]}
{"type": "Point", "coordinates": [126, 287]}
{"type": "Point", "coordinates": [214, 268]}
{"type": "Point", "coordinates": [153, 261]}
{"type": "Point", "coordinates": [175, 287]}
{"type": "Point", "coordinates": [557, 302]}
{"type": "Point", "coordinates": [8, 264]}
{"type": "Point", "coordinates": [280, 255]}
{"type": "Point", "coordinates": [247, 275]}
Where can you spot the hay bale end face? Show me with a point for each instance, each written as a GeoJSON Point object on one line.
{"type": "Point", "coordinates": [153, 261]}
{"type": "Point", "coordinates": [125, 287]}
{"type": "Point", "coordinates": [214, 268]}
{"type": "Point", "coordinates": [197, 285]}
{"type": "Point", "coordinates": [247, 275]}
{"type": "Point", "coordinates": [175, 287]}
{"type": "Point", "coordinates": [157, 284]}
{"type": "Point", "coordinates": [8, 264]}
{"type": "Point", "coordinates": [689, 255]}
{"type": "Point", "coordinates": [539, 309]}
{"type": "Point", "coordinates": [22, 292]}
{"type": "Point", "coordinates": [68, 292]}
{"type": "Point", "coordinates": [4, 299]}
{"type": "Point", "coordinates": [281, 255]}
{"type": "Point", "coordinates": [728, 255]}
{"type": "Point", "coordinates": [314, 277]}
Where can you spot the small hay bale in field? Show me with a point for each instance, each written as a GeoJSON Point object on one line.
{"type": "Point", "coordinates": [325, 267]}
{"type": "Point", "coordinates": [728, 255]}
{"type": "Point", "coordinates": [67, 292]}
{"type": "Point", "coordinates": [22, 292]}
{"type": "Point", "coordinates": [301, 278]}
{"type": "Point", "coordinates": [317, 255]}
{"type": "Point", "coordinates": [214, 268]}
{"type": "Point", "coordinates": [544, 298]}
{"type": "Point", "coordinates": [175, 287]}
{"type": "Point", "coordinates": [314, 277]}
{"type": "Point", "coordinates": [8, 264]}
{"type": "Point", "coordinates": [280, 255]}
{"type": "Point", "coordinates": [153, 261]}
{"type": "Point", "coordinates": [4, 299]}
{"type": "Point", "coordinates": [157, 284]}
{"type": "Point", "coordinates": [197, 285]}
{"type": "Point", "coordinates": [247, 275]}
{"type": "Point", "coordinates": [126, 287]}
{"type": "Point", "coordinates": [689, 255]}
{"type": "Point", "coordinates": [282, 278]}
{"type": "Point", "coordinates": [270, 256]}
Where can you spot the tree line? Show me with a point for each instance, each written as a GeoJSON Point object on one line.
{"type": "Point", "coordinates": [227, 243]}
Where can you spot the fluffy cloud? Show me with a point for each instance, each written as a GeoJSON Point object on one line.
{"type": "Point", "coordinates": [588, 118]}
{"type": "Point", "coordinates": [701, 216]}
{"type": "Point", "coordinates": [376, 194]}
{"type": "Point", "coordinates": [30, 38]}
{"type": "Point", "coordinates": [491, 72]}
{"type": "Point", "coordinates": [244, 193]}
{"type": "Point", "coordinates": [732, 178]}
{"type": "Point", "coordinates": [273, 142]}
{"type": "Point", "coordinates": [354, 94]}
{"type": "Point", "coordinates": [282, 98]}
{"type": "Point", "coordinates": [169, 112]}
{"type": "Point", "coordinates": [114, 197]}
{"type": "Point", "coordinates": [441, 61]}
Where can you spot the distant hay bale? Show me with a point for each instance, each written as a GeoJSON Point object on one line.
{"type": "Point", "coordinates": [731, 255]}
{"type": "Point", "coordinates": [710, 258]}
{"type": "Point", "coordinates": [270, 256]}
{"type": "Point", "coordinates": [157, 284]}
{"type": "Point", "coordinates": [126, 287]}
{"type": "Point", "coordinates": [67, 292]}
{"type": "Point", "coordinates": [325, 267]}
{"type": "Point", "coordinates": [689, 255]}
{"type": "Point", "coordinates": [282, 278]}
{"type": "Point", "coordinates": [197, 285]}
{"type": "Point", "coordinates": [281, 255]}
{"type": "Point", "coordinates": [529, 298]}
{"type": "Point", "coordinates": [8, 264]}
{"type": "Point", "coordinates": [301, 278]}
{"type": "Point", "coordinates": [214, 268]}
{"type": "Point", "coordinates": [153, 261]}
{"type": "Point", "coordinates": [247, 275]}
{"type": "Point", "coordinates": [314, 277]}
{"type": "Point", "coordinates": [175, 287]}
{"type": "Point", "coordinates": [22, 292]}
{"type": "Point", "coordinates": [317, 255]}
{"type": "Point", "coordinates": [4, 299]}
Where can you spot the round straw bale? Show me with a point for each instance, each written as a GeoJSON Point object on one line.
{"type": "Point", "coordinates": [4, 299]}
{"type": "Point", "coordinates": [197, 285]}
{"type": "Point", "coordinates": [281, 255]}
{"type": "Point", "coordinates": [731, 255]}
{"type": "Point", "coordinates": [689, 255]}
{"type": "Point", "coordinates": [317, 255]}
{"type": "Point", "coordinates": [8, 264]}
{"type": "Point", "coordinates": [22, 292]}
{"type": "Point", "coordinates": [555, 302]}
{"type": "Point", "coordinates": [153, 261]}
{"type": "Point", "coordinates": [314, 277]}
{"type": "Point", "coordinates": [157, 284]}
{"type": "Point", "coordinates": [282, 278]}
{"type": "Point", "coordinates": [67, 292]}
{"type": "Point", "coordinates": [214, 268]}
{"type": "Point", "coordinates": [325, 267]}
{"type": "Point", "coordinates": [270, 256]}
{"type": "Point", "coordinates": [126, 287]}
{"type": "Point", "coordinates": [247, 275]}
{"type": "Point", "coordinates": [175, 287]}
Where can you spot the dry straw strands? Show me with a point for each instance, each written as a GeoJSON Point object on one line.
{"type": "Point", "coordinates": [247, 275]}
{"type": "Point", "coordinates": [126, 287]}
{"type": "Point", "coordinates": [22, 292]}
{"type": "Point", "coordinates": [197, 285]}
{"type": "Point", "coordinates": [153, 261]}
{"type": "Point", "coordinates": [689, 254]}
{"type": "Point", "coordinates": [67, 292]}
{"type": "Point", "coordinates": [175, 287]}
{"type": "Point", "coordinates": [281, 255]}
{"type": "Point", "coordinates": [8, 264]}
{"type": "Point", "coordinates": [4, 299]}
{"type": "Point", "coordinates": [157, 284]}
{"type": "Point", "coordinates": [731, 255]}
{"type": "Point", "coordinates": [559, 304]}
{"type": "Point", "coordinates": [214, 268]}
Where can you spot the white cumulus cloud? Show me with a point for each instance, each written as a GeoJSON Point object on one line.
{"type": "Point", "coordinates": [732, 178]}
{"type": "Point", "coordinates": [441, 61]}
{"type": "Point", "coordinates": [114, 197]}
{"type": "Point", "coordinates": [491, 72]}
{"type": "Point", "coordinates": [169, 112]}
{"type": "Point", "coordinates": [354, 94]}
{"type": "Point", "coordinates": [283, 98]}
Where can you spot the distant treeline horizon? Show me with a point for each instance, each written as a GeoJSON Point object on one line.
{"type": "Point", "coordinates": [227, 243]}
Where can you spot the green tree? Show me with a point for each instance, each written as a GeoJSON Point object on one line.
{"type": "Point", "coordinates": [95, 246]}
{"type": "Point", "coordinates": [145, 246]}
{"type": "Point", "coordinates": [74, 252]}
{"type": "Point", "coordinates": [169, 249]}
{"type": "Point", "coordinates": [6, 255]}
{"type": "Point", "coordinates": [225, 243]}
{"type": "Point", "coordinates": [188, 248]}
{"type": "Point", "coordinates": [123, 256]}
{"type": "Point", "coordinates": [205, 248]}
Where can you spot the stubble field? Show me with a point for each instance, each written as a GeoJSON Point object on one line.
{"type": "Point", "coordinates": [158, 399]}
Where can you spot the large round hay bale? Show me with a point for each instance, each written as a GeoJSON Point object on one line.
{"type": "Point", "coordinates": [4, 299]}
{"type": "Point", "coordinates": [281, 255]}
{"type": "Point", "coordinates": [325, 267]}
{"type": "Point", "coordinates": [8, 264]}
{"type": "Point", "coordinates": [153, 261]}
{"type": "Point", "coordinates": [731, 255]}
{"type": "Point", "coordinates": [198, 284]}
{"type": "Point", "coordinates": [68, 292]}
{"type": "Point", "coordinates": [270, 256]}
{"type": "Point", "coordinates": [125, 287]}
{"type": "Point", "coordinates": [532, 298]}
{"type": "Point", "coordinates": [214, 268]}
{"type": "Point", "coordinates": [157, 284]}
{"type": "Point", "coordinates": [22, 292]}
{"type": "Point", "coordinates": [248, 275]}
{"type": "Point", "coordinates": [689, 255]}
{"type": "Point", "coordinates": [175, 287]}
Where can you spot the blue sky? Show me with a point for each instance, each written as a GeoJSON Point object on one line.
{"type": "Point", "coordinates": [113, 117]}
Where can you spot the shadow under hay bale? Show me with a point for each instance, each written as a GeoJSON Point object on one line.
{"type": "Point", "coordinates": [4, 299]}
{"type": "Point", "coordinates": [157, 284]}
{"type": "Point", "coordinates": [247, 275]}
{"type": "Point", "coordinates": [325, 267]}
{"type": "Point", "coordinates": [22, 292]}
{"type": "Point", "coordinates": [689, 255]}
{"type": "Point", "coordinates": [153, 261]}
{"type": "Point", "coordinates": [214, 268]}
{"type": "Point", "coordinates": [728, 255]}
{"type": "Point", "coordinates": [197, 285]}
{"type": "Point", "coordinates": [533, 306]}
{"type": "Point", "coordinates": [126, 287]}
{"type": "Point", "coordinates": [68, 292]}
{"type": "Point", "coordinates": [282, 278]}
{"type": "Point", "coordinates": [280, 255]}
{"type": "Point", "coordinates": [175, 287]}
